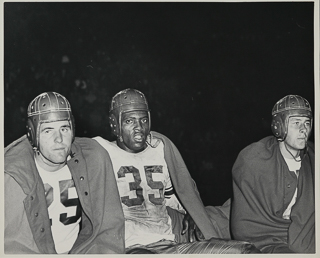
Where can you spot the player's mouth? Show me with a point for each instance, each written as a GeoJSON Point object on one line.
{"type": "Point", "coordinates": [138, 137]}
{"type": "Point", "coordinates": [303, 137]}
{"type": "Point", "coordinates": [59, 149]}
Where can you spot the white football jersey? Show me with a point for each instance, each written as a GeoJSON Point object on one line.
{"type": "Point", "coordinates": [63, 207]}
{"type": "Point", "coordinates": [295, 167]}
{"type": "Point", "coordinates": [145, 190]}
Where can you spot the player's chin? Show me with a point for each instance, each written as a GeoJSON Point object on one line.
{"type": "Point", "coordinates": [301, 144]}
{"type": "Point", "coordinates": [138, 146]}
{"type": "Point", "coordinates": [59, 159]}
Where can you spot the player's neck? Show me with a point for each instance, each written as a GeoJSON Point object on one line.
{"type": "Point", "coordinates": [46, 164]}
{"type": "Point", "coordinates": [288, 152]}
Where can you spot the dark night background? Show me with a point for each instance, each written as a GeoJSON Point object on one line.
{"type": "Point", "coordinates": [210, 71]}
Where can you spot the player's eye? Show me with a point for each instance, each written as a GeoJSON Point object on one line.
{"type": "Point", "coordinates": [128, 121]}
{"type": "Point", "coordinates": [64, 129]}
{"type": "Point", "coordinates": [47, 131]}
{"type": "Point", "coordinates": [295, 122]}
{"type": "Point", "coordinates": [145, 120]}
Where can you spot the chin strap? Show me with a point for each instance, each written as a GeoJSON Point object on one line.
{"type": "Point", "coordinates": [71, 155]}
{"type": "Point", "coordinates": [294, 157]}
{"type": "Point", "coordinates": [150, 141]}
{"type": "Point", "coordinates": [298, 155]}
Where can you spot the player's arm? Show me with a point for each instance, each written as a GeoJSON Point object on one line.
{"type": "Point", "coordinates": [172, 200]}
{"type": "Point", "coordinates": [18, 237]}
{"type": "Point", "coordinates": [189, 227]}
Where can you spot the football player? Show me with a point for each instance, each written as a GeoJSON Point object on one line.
{"type": "Point", "coordinates": [59, 188]}
{"type": "Point", "coordinates": [273, 184]}
{"type": "Point", "coordinates": [162, 207]}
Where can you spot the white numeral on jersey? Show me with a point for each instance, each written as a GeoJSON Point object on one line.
{"type": "Point", "coordinates": [135, 186]}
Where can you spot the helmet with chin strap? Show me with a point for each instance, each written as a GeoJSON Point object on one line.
{"type": "Point", "coordinates": [45, 108]}
{"type": "Point", "coordinates": [127, 100]}
{"type": "Point", "coordinates": [288, 106]}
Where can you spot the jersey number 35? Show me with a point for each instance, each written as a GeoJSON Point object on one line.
{"type": "Point", "coordinates": [135, 186]}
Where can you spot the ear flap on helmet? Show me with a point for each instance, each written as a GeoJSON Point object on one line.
{"type": "Point", "coordinates": [114, 125]}
{"type": "Point", "coordinates": [31, 133]}
{"type": "Point", "coordinates": [278, 127]}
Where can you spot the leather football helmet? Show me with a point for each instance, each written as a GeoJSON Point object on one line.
{"type": "Point", "coordinates": [288, 106]}
{"type": "Point", "coordinates": [126, 101]}
{"type": "Point", "coordinates": [47, 107]}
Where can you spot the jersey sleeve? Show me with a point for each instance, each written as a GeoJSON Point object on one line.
{"type": "Point", "coordinates": [170, 196]}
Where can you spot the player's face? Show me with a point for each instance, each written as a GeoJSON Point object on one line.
{"type": "Point", "coordinates": [55, 140]}
{"type": "Point", "coordinates": [299, 129]}
{"type": "Point", "coordinates": [134, 131]}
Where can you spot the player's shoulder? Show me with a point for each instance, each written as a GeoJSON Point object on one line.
{"type": "Point", "coordinates": [108, 145]}
{"type": "Point", "coordinates": [87, 146]}
{"type": "Point", "coordinates": [263, 147]}
{"type": "Point", "coordinates": [18, 154]}
{"type": "Point", "coordinates": [17, 146]}
{"type": "Point", "coordinates": [169, 146]}
{"type": "Point", "coordinates": [84, 141]}
{"type": "Point", "coordinates": [256, 157]}
{"type": "Point", "coordinates": [156, 137]}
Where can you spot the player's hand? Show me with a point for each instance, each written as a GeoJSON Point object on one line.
{"type": "Point", "coordinates": [188, 225]}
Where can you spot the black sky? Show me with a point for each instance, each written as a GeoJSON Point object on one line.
{"type": "Point", "coordinates": [211, 71]}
